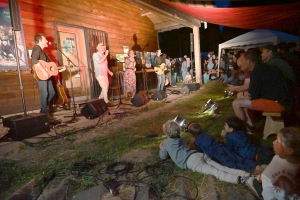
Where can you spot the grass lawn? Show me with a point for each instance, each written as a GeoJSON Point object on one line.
{"type": "Point", "coordinates": [60, 155]}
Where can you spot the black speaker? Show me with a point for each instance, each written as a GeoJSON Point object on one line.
{"type": "Point", "coordinates": [14, 15]}
{"type": "Point", "coordinates": [193, 86]}
{"type": "Point", "coordinates": [160, 95]}
{"type": "Point", "coordinates": [24, 127]}
{"type": "Point", "coordinates": [185, 89]}
{"type": "Point", "coordinates": [192, 42]}
{"type": "Point", "coordinates": [94, 109]}
{"type": "Point", "coordinates": [139, 99]}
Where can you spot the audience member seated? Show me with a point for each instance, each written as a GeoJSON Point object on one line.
{"type": "Point", "coordinates": [188, 78]}
{"type": "Point", "coordinates": [268, 89]}
{"type": "Point", "coordinates": [222, 64]}
{"type": "Point", "coordinates": [205, 76]}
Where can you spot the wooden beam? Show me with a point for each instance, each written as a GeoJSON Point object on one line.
{"type": "Point", "coordinates": [166, 11]}
{"type": "Point", "coordinates": [164, 25]}
{"type": "Point", "coordinates": [145, 12]}
{"type": "Point", "coordinates": [170, 28]}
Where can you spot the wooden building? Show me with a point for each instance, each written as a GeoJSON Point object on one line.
{"type": "Point", "coordinates": [82, 24]}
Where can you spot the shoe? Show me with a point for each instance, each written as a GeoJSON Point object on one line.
{"type": "Point", "coordinates": [255, 188]}
{"type": "Point", "coordinates": [51, 118]}
{"type": "Point", "coordinates": [242, 180]}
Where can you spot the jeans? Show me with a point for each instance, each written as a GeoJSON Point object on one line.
{"type": "Point", "coordinates": [174, 79]}
{"type": "Point", "coordinates": [46, 92]}
{"type": "Point", "coordinates": [160, 82]}
{"type": "Point", "coordinates": [183, 74]}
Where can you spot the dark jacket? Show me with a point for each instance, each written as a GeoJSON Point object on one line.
{"type": "Point", "coordinates": [238, 141]}
{"type": "Point", "coordinates": [267, 82]}
{"type": "Point", "coordinates": [222, 154]}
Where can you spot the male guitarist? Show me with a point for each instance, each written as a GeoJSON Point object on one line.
{"type": "Point", "coordinates": [46, 87]}
{"type": "Point", "coordinates": [159, 68]}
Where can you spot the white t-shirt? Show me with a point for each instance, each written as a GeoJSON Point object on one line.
{"type": "Point", "coordinates": [279, 178]}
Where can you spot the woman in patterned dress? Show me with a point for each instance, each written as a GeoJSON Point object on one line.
{"type": "Point", "coordinates": [129, 75]}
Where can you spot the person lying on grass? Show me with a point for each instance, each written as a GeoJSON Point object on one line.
{"type": "Point", "coordinates": [218, 151]}
{"type": "Point", "coordinates": [185, 158]}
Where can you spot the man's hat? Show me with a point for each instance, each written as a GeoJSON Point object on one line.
{"type": "Point", "coordinates": [268, 46]}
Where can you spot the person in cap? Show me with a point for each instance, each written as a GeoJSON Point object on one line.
{"type": "Point", "coordinates": [271, 57]}
{"type": "Point", "coordinates": [101, 70]}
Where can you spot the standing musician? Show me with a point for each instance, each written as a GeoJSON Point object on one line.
{"type": "Point", "coordinates": [101, 70]}
{"type": "Point", "coordinates": [159, 68]}
{"type": "Point", "coordinates": [45, 84]}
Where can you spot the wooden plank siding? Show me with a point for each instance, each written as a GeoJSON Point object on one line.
{"type": "Point", "coordinates": [119, 19]}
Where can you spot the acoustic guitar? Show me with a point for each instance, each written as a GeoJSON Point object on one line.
{"type": "Point", "coordinates": [50, 68]}
{"type": "Point", "coordinates": [161, 69]}
{"type": "Point", "coordinates": [62, 96]}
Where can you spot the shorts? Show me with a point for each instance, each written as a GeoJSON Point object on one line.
{"type": "Point", "coordinates": [266, 105]}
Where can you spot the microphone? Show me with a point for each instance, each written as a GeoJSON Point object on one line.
{"type": "Point", "coordinates": [52, 43]}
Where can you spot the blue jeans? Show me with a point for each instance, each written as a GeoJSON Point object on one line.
{"type": "Point", "coordinates": [174, 79]}
{"type": "Point", "coordinates": [160, 82]}
{"type": "Point", "coordinates": [46, 92]}
{"type": "Point", "coordinates": [183, 74]}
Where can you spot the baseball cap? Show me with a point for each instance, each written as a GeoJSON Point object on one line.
{"type": "Point", "coordinates": [268, 46]}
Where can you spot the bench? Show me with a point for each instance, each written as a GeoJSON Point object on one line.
{"type": "Point", "coordinates": [274, 122]}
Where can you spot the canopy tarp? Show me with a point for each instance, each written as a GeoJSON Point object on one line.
{"type": "Point", "coordinates": [257, 38]}
{"type": "Point", "coordinates": [284, 16]}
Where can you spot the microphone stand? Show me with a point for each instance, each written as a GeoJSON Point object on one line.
{"type": "Point", "coordinates": [73, 120]}
{"type": "Point", "coordinates": [119, 82]}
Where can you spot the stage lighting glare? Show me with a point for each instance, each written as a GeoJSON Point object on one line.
{"type": "Point", "coordinates": [210, 105]}
{"type": "Point", "coordinates": [182, 123]}
{"type": "Point", "coordinates": [228, 94]}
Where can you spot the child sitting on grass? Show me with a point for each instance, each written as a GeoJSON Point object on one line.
{"type": "Point", "coordinates": [188, 78]}
{"type": "Point", "coordinates": [216, 150]}
{"type": "Point", "coordinates": [176, 147]}
{"type": "Point", "coordinates": [281, 178]}
{"type": "Point", "coordinates": [237, 140]}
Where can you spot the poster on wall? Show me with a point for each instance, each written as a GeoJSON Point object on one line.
{"type": "Point", "coordinates": [8, 52]}
{"type": "Point", "coordinates": [68, 46]}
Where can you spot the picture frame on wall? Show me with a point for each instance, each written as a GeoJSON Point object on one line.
{"type": "Point", "coordinates": [8, 49]}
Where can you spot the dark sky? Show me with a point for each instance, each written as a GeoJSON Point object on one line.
{"type": "Point", "coordinates": [176, 43]}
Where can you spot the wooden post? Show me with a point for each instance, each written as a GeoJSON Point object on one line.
{"type": "Point", "coordinates": [198, 72]}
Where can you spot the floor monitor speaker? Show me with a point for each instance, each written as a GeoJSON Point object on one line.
{"type": "Point", "coordinates": [21, 127]}
{"type": "Point", "coordinates": [159, 95]}
{"type": "Point", "coordinates": [185, 89]}
{"type": "Point", "coordinates": [139, 99]}
{"type": "Point", "coordinates": [94, 109]}
{"type": "Point", "coordinates": [193, 86]}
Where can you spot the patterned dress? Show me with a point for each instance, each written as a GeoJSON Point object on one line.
{"type": "Point", "coordinates": [129, 76]}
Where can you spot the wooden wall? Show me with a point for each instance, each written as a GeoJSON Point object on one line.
{"type": "Point", "coordinates": [119, 19]}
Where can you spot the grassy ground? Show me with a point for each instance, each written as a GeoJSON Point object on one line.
{"type": "Point", "coordinates": [60, 155]}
